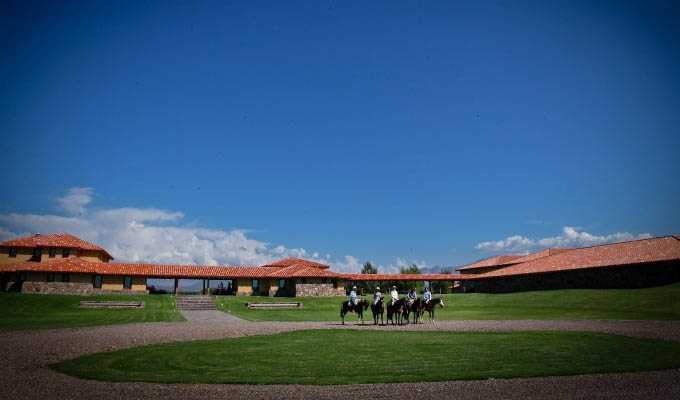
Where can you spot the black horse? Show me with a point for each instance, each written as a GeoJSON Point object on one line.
{"type": "Point", "coordinates": [396, 311]}
{"type": "Point", "coordinates": [378, 309]}
{"type": "Point", "coordinates": [417, 308]}
{"type": "Point", "coordinates": [429, 307]}
{"type": "Point", "coordinates": [348, 306]}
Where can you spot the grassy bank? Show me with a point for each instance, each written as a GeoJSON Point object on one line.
{"type": "Point", "coordinates": [660, 303]}
{"type": "Point", "coordinates": [348, 357]}
{"type": "Point", "coordinates": [34, 311]}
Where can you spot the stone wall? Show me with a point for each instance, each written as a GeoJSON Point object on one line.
{"type": "Point", "coordinates": [623, 277]}
{"type": "Point", "coordinates": [82, 289]}
{"type": "Point", "coordinates": [315, 289]}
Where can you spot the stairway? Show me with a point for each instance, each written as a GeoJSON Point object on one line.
{"type": "Point", "coordinates": [195, 303]}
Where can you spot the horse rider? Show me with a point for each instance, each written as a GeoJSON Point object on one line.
{"type": "Point", "coordinates": [427, 295]}
{"type": "Point", "coordinates": [353, 296]}
{"type": "Point", "coordinates": [394, 295]}
{"type": "Point", "coordinates": [412, 296]}
{"type": "Point", "coordinates": [376, 295]}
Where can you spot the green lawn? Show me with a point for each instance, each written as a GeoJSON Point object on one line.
{"type": "Point", "coordinates": [660, 303]}
{"type": "Point", "coordinates": [322, 357]}
{"type": "Point", "coordinates": [36, 311]}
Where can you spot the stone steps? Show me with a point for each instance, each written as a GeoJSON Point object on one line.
{"type": "Point", "coordinates": [195, 303]}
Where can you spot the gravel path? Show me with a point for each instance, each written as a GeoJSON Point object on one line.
{"type": "Point", "coordinates": [203, 316]}
{"type": "Point", "coordinates": [26, 356]}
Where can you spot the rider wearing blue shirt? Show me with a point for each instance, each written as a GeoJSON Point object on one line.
{"type": "Point", "coordinates": [427, 295]}
{"type": "Point", "coordinates": [353, 295]}
{"type": "Point", "coordinates": [412, 296]}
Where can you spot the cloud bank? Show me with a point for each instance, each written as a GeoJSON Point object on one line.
{"type": "Point", "coordinates": [151, 235]}
{"type": "Point", "coordinates": [570, 237]}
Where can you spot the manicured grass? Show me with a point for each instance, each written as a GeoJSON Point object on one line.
{"type": "Point", "coordinates": [660, 303]}
{"type": "Point", "coordinates": [322, 357]}
{"type": "Point", "coordinates": [35, 311]}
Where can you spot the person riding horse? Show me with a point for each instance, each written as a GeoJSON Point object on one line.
{"type": "Point", "coordinates": [353, 296]}
{"type": "Point", "coordinates": [377, 295]}
{"type": "Point", "coordinates": [394, 295]}
{"type": "Point", "coordinates": [412, 297]}
{"type": "Point", "coordinates": [427, 295]}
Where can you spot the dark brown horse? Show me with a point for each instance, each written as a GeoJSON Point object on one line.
{"type": "Point", "coordinates": [378, 309]}
{"type": "Point", "coordinates": [418, 308]}
{"type": "Point", "coordinates": [396, 311]}
{"type": "Point", "coordinates": [429, 307]}
{"type": "Point", "coordinates": [348, 306]}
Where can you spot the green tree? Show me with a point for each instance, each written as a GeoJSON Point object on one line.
{"type": "Point", "coordinates": [368, 287]}
{"type": "Point", "coordinates": [442, 286]}
{"type": "Point", "coordinates": [405, 286]}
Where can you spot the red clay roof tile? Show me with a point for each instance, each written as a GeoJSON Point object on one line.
{"type": "Point", "coordinates": [491, 262]}
{"type": "Point", "coordinates": [607, 255]}
{"type": "Point", "coordinates": [54, 240]}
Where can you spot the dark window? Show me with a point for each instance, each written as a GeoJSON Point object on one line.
{"type": "Point", "coordinates": [335, 283]}
{"type": "Point", "coordinates": [22, 276]}
{"type": "Point", "coordinates": [36, 253]}
{"type": "Point", "coordinates": [127, 282]}
{"type": "Point", "coordinates": [50, 277]}
{"type": "Point", "coordinates": [97, 281]}
{"type": "Point", "coordinates": [53, 252]}
{"type": "Point", "coordinates": [66, 277]}
{"type": "Point", "coordinates": [282, 283]}
{"type": "Point", "coordinates": [12, 251]}
{"type": "Point", "coordinates": [65, 253]}
{"type": "Point", "coordinates": [256, 285]}
{"type": "Point", "coordinates": [324, 280]}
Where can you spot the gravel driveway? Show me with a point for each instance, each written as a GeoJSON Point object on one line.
{"type": "Point", "coordinates": [26, 356]}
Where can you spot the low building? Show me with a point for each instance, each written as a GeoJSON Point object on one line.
{"type": "Point", "coordinates": [64, 264]}
{"type": "Point", "coordinates": [633, 264]}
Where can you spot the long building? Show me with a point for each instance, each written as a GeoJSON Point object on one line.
{"type": "Point", "coordinates": [62, 263]}
{"type": "Point", "coordinates": [633, 264]}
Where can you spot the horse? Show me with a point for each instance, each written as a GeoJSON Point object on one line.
{"type": "Point", "coordinates": [429, 307]}
{"type": "Point", "coordinates": [417, 309]}
{"type": "Point", "coordinates": [408, 309]}
{"type": "Point", "coordinates": [396, 310]}
{"type": "Point", "coordinates": [348, 306]}
{"type": "Point", "coordinates": [378, 309]}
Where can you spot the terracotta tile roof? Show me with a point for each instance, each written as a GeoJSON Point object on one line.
{"type": "Point", "coordinates": [407, 277]}
{"type": "Point", "coordinates": [54, 240]}
{"type": "Point", "coordinates": [491, 262]}
{"type": "Point", "coordinates": [77, 265]}
{"type": "Point", "coordinates": [290, 261]}
{"type": "Point", "coordinates": [665, 248]}
{"type": "Point", "coordinates": [538, 254]}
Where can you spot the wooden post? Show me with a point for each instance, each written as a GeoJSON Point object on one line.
{"type": "Point", "coordinates": [207, 287]}
{"type": "Point", "coordinates": [176, 286]}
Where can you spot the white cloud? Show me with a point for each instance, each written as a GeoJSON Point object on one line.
{"type": "Point", "coordinates": [75, 200]}
{"type": "Point", "coordinates": [152, 235]}
{"type": "Point", "coordinates": [570, 237]}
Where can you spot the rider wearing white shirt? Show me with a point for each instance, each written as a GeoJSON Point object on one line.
{"type": "Point", "coordinates": [377, 295]}
{"type": "Point", "coordinates": [394, 295]}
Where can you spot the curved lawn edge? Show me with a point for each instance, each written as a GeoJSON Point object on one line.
{"type": "Point", "coordinates": [331, 357]}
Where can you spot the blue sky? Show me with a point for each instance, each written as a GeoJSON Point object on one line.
{"type": "Point", "coordinates": [397, 132]}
